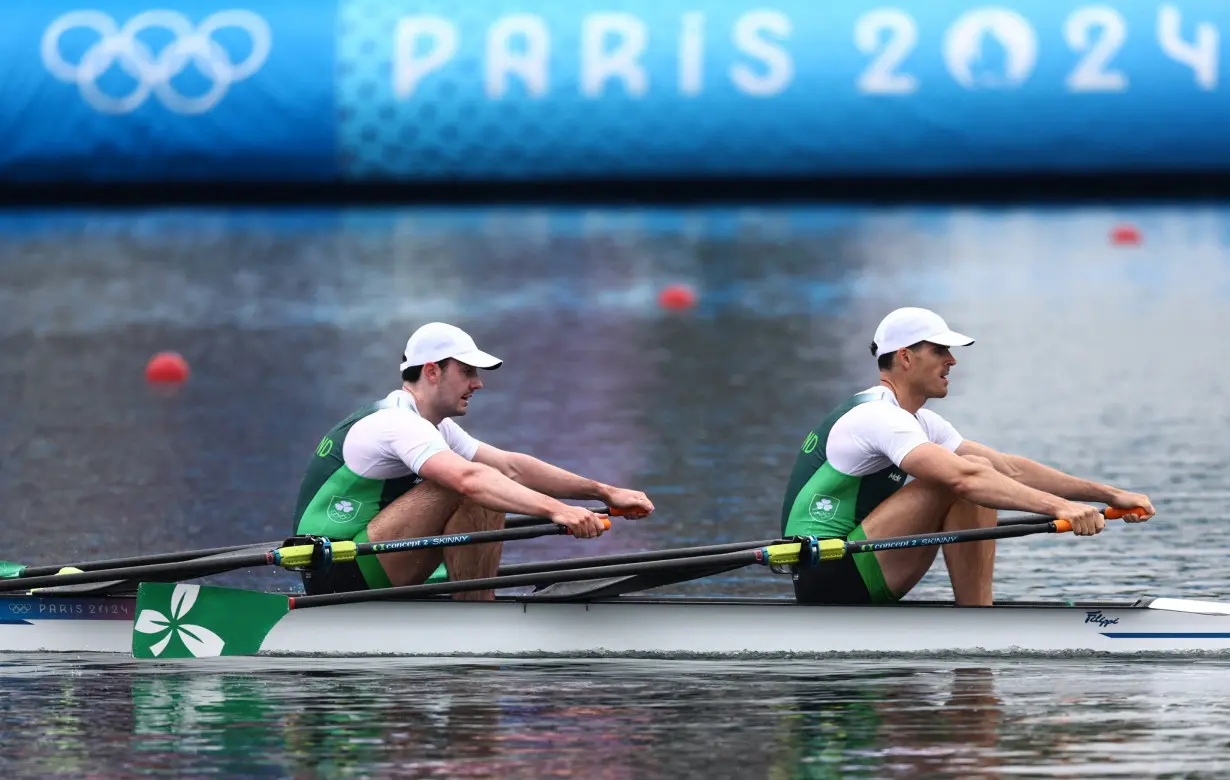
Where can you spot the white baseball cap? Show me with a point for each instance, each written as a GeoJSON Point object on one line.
{"type": "Point", "coordinates": [908, 326]}
{"type": "Point", "coordinates": [438, 340]}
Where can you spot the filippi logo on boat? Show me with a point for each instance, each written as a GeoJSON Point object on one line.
{"type": "Point", "coordinates": [1095, 616]}
{"type": "Point", "coordinates": [188, 68]}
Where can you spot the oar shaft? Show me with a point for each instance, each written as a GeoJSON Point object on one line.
{"type": "Point", "coordinates": [142, 560]}
{"type": "Point", "coordinates": [454, 540]}
{"type": "Point", "coordinates": [952, 537]}
{"type": "Point", "coordinates": [518, 521]}
{"type": "Point", "coordinates": [742, 557]}
{"type": "Point", "coordinates": [181, 571]}
{"type": "Point", "coordinates": [292, 556]}
{"type": "Point", "coordinates": [1110, 513]}
{"type": "Point", "coordinates": [634, 557]}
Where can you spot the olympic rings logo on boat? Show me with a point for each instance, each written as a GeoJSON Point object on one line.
{"type": "Point", "coordinates": [19, 609]}
{"type": "Point", "coordinates": [153, 73]}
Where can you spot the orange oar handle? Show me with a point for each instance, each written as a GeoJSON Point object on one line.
{"type": "Point", "coordinates": [1110, 513]}
{"type": "Point", "coordinates": [635, 514]}
{"type": "Point", "coordinates": [606, 525]}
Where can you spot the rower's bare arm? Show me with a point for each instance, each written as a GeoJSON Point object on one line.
{"type": "Point", "coordinates": [555, 481]}
{"type": "Point", "coordinates": [981, 484]}
{"type": "Point", "coordinates": [537, 475]}
{"type": "Point", "coordinates": [1038, 476]}
{"type": "Point", "coordinates": [487, 487]}
{"type": "Point", "coordinates": [1055, 482]}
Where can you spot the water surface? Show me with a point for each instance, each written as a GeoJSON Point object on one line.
{"type": "Point", "coordinates": [1096, 359]}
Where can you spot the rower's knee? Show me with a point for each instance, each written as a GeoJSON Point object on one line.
{"type": "Point", "coordinates": [476, 517]}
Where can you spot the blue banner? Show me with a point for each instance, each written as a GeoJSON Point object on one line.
{"type": "Point", "coordinates": [441, 90]}
{"type": "Point", "coordinates": [204, 90]}
{"type": "Point", "coordinates": [628, 88]}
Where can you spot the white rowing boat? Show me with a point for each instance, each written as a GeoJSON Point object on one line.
{"type": "Point", "coordinates": [584, 607]}
{"type": "Point", "coordinates": [635, 626]}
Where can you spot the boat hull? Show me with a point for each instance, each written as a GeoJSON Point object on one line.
{"type": "Point", "coordinates": [659, 627]}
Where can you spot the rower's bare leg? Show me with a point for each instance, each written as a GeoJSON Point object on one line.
{"type": "Point", "coordinates": [922, 508]}
{"type": "Point", "coordinates": [473, 561]}
{"type": "Point", "coordinates": [423, 511]}
{"type": "Point", "coordinates": [918, 508]}
{"type": "Point", "coordinates": [431, 510]}
{"type": "Point", "coordinates": [971, 565]}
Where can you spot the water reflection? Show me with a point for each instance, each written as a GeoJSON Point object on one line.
{"type": "Point", "coordinates": [615, 720]}
{"type": "Point", "coordinates": [894, 723]}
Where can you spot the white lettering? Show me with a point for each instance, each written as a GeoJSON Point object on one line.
{"type": "Point", "coordinates": [409, 69]}
{"type": "Point", "coordinates": [598, 64]}
{"type": "Point", "coordinates": [530, 65]}
{"type": "Point", "coordinates": [692, 54]}
{"type": "Point", "coordinates": [880, 77]}
{"type": "Point", "coordinates": [747, 38]}
{"type": "Point", "coordinates": [1201, 56]}
{"type": "Point", "coordinates": [990, 48]}
{"type": "Point", "coordinates": [1090, 74]}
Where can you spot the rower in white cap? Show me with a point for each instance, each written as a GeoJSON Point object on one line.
{"type": "Point", "coordinates": [402, 468]}
{"type": "Point", "coordinates": [849, 479]}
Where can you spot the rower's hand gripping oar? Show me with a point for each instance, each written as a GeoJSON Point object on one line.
{"type": "Point", "coordinates": [518, 521]}
{"type": "Point", "coordinates": [309, 551]}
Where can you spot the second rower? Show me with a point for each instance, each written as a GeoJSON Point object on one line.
{"type": "Point", "coordinates": [402, 468]}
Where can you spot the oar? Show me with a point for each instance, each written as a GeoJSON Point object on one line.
{"type": "Point", "coordinates": [684, 552]}
{"type": "Point", "coordinates": [137, 560]}
{"type": "Point", "coordinates": [1110, 513]}
{"type": "Point", "coordinates": [633, 557]}
{"type": "Point", "coordinates": [292, 556]}
{"type": "Point", "coordinates": [12, 570]}
{"type": "Point", "coordinates": [246, 617]}
{"type": "Point", "coordinates": [518, 521]}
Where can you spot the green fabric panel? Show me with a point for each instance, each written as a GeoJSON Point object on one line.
{"type": "Point", "coordinates": [342, 506]}
{"type": "Point", "coordinates": [872, 574]}
{"type": "Point", "coordinates": [373, 571]}
{"type": "Point", "coordinates": [825, 506]}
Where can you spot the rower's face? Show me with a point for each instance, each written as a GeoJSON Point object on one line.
{"type": "Point", "coordinates": [458, 384]}
{"type": "Point", "coordinates": [931, 366]}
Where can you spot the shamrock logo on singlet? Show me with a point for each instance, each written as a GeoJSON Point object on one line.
{"type": "Point", "coordinates": [823, 507]}
{"type": "Point", "coordinates": [343, 509]}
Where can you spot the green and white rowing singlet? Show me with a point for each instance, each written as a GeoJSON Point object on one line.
{"type": "Point", "coordinates": [367, 461]}
{"type": "Point", "coordinates": [851, 462]}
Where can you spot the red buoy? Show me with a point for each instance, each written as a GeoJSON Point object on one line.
{"type": "Point", "coordinates": [1125, 235]}
{"type": "Point", "coordinates": [166, 368]}
{"type": "Point", "coordinates": [677, 297]}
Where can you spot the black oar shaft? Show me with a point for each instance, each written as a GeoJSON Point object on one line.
{"type": "Point", "coordinates": [141, 560]}
{"type": "Point", "coordinates": [742, 557]}
{"type": "Point", "coordinates": [187, 569]}
{"type": "Point", "coordinates": [453, 540]}
{"type": "Point", "coordinates": [181, 571]}
{"type": "Point", "coordinates": [950, 537]}
{"type": "Point", "coordinates": [512, 521]}
{"type": "Point", "coordinates": [1004, 522]}
{"type": "Point", "coordinates": [634, 557]}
